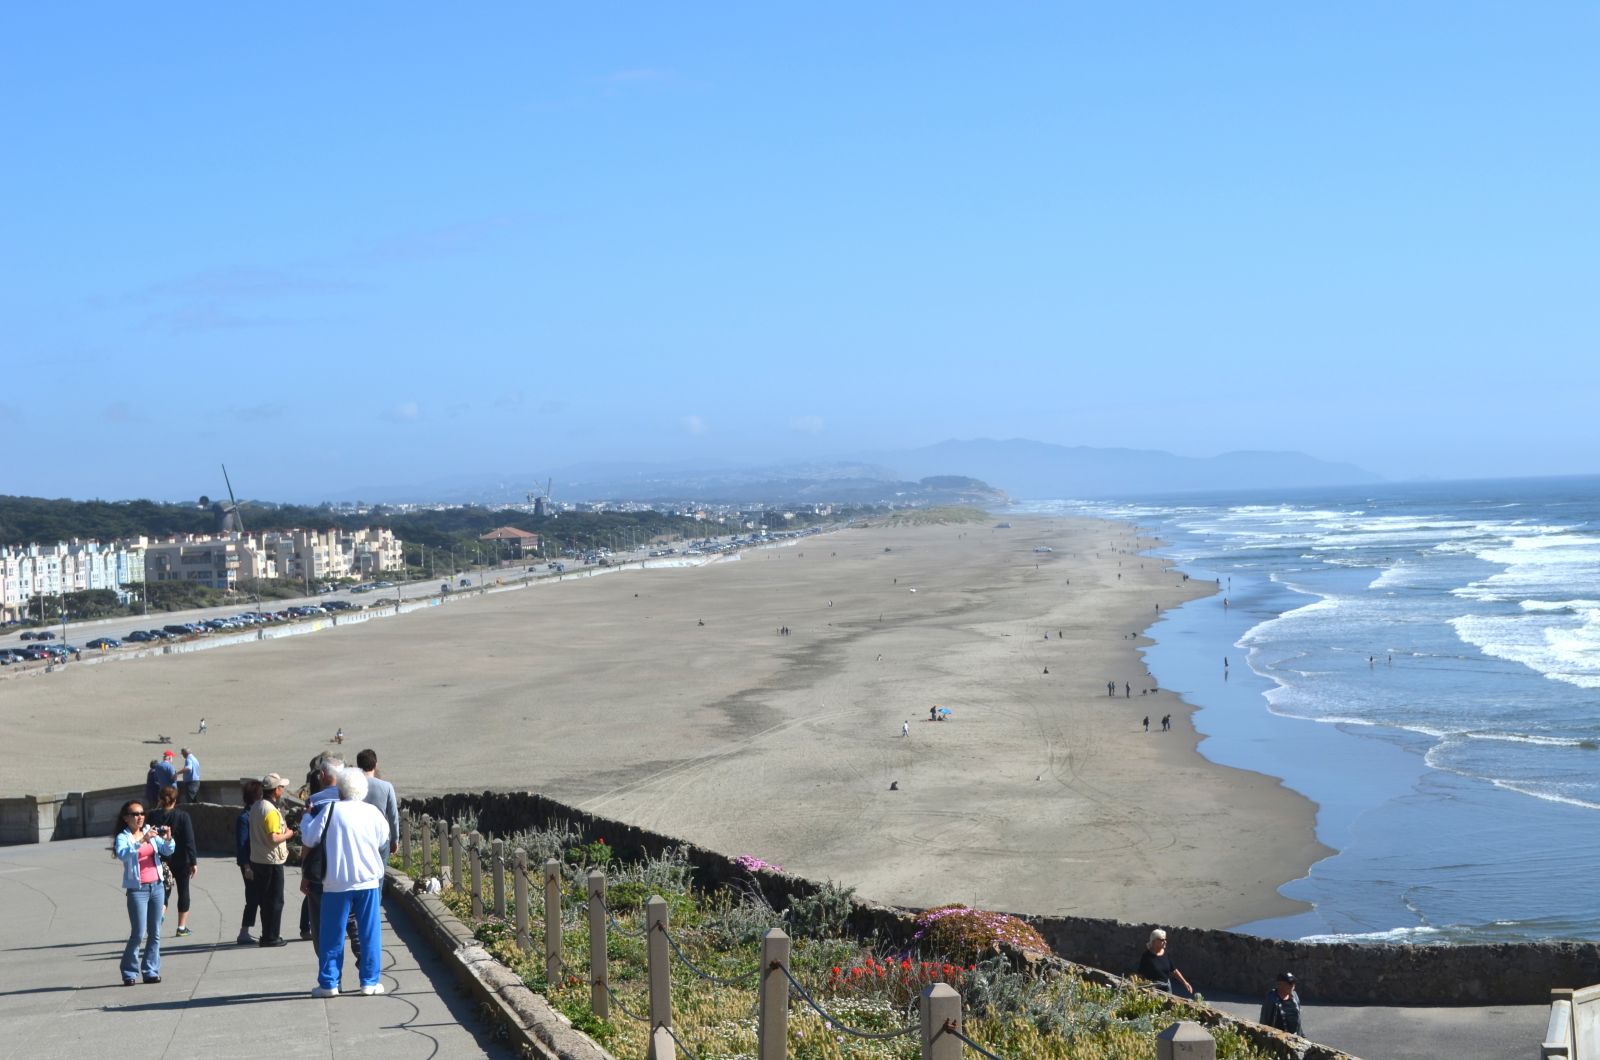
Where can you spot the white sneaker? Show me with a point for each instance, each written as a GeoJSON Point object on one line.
{"type": "Point", "coordinates": [375, 988]}
{"type": "Point", "coordinates": [324, 991]}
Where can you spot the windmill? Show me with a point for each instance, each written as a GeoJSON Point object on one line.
{"type": "Point", "coordinates": [232, 520]}
{"type": "Point", "coordinates": [541, 502]}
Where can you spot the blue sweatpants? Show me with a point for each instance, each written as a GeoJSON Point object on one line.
{"type": "Point", "coordinates": [336, 907]}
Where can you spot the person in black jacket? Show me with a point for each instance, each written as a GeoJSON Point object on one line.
{"type": "Point", "coordinates": [249, 794]}
{"type": "Point", "coordinates": [1282, 1007]}
{"type": "Point", "coordinates": [185, 859]}
{"type": "Point", "coordinates": [1157, 967]}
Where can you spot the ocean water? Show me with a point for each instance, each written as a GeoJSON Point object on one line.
{"type": "Point", "coordinates": [1423, 662]}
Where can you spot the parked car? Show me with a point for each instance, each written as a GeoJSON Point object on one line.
{"type": "Point", "coordinates": [177, 630]}
{"type": "Point", "coordinates": [28, 634]}
{"type": "Point", "coordinates": [104, 643]}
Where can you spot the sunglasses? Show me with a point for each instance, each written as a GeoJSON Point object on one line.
{"type": "Point", "coordinates": [135, 813]}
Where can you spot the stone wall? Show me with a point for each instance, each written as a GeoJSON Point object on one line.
{"type": "Point", "coordinates": [1328, 973]}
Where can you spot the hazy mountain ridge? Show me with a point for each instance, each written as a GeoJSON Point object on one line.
{"type": "Point", "coordinates": [1033, 470]}
{"type": "Point", "coordinates": [1016, 468]}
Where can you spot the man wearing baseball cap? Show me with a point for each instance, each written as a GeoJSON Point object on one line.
{"type": "Point", "coordinates": [1282, 1007]}
{"type": "Point", "coordinates": [269, 851]}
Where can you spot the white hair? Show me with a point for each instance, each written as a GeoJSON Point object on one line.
{"type": "Point", "coordinates": [352, 785]}
{"type": "Point", "coordinates": [1158, 935]}
{"type": "Point", "coordinates": [330, 765]}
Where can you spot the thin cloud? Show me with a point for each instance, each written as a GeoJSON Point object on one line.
{"type": "Point", "coordinates": [270, 410]}
{"type": "Point", "coordinates": [404, 412]}
{"type": "Point", "coordinates": [806, 424]}
{"type": "Point", "coordinates": [447, 241]}
{"type": "Point", "coordinates": [242, 283]}
{"type": "Point", "coordinates": [189, 319]}
{"type": "Point", "coordinates": [695, 425]}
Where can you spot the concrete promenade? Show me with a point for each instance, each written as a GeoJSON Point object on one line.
{"type": "Point", "coordinates": [63, 923]}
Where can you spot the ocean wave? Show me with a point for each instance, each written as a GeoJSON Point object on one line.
{"type": "Point", "coordinates": [1420, 935]}
{"type": "Point", "coordinates": [1522, 788]}
{"type": "Point", "coordinates": [1543, 641]}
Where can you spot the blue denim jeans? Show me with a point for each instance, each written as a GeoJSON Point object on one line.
{"type": "Point", "coordinates": [337, 906]}
{"type": "Point", "coordinates": [146, 903]}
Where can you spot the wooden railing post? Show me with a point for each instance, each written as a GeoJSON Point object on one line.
{"type": "Point", "coordinates": [519, 885]}
{"type": "Point", "coordinates": [662, 1047]}
{"type": "Point", "coordinates": [427, 834]}
{"type": "Point", "coordinates": [498, 862]}
{"type": "Point", "coordinates": [937, 1005]}
{"type": "Point", "coordinates": [552, 922]}
{"type": "Point", "coordinates": [599, 965]}
{"type": "Point", "coordinates": [772, 1031]}
{"type": "Point", "coordinates": [441, 829]}
{"type": "Point", "coordinates": [660, 961]}
{"type": "Point", "coordinates": [475, 859]}
{"type": "Point", "coordinates": [405, 842]}
{"type": "Point", "coordinates": [456, 843]}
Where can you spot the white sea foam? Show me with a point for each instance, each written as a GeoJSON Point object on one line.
{"type": "Point", "coordinates": [1420, 934]}
{"type": "Point", "coordinates": [1561, 646]}
{"type": "Point", "coordinates": [1547, 796]}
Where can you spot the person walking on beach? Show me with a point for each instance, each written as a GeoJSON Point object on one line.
{"type": "Point", "coordinates": [905, 727]}
{"type": "Point", "coordinates": [1111, 688]}
{"type": "Point", "coordinates": [1157, 967]}
{"type": "Point", "coordinates": [1282, 1007]}
{"type": "Point", "coordinates": [202, 729]}
{"type": "Point", "coordinates": [1147, 723]}
{"type": "Point", "coordinates": [1127, 690]}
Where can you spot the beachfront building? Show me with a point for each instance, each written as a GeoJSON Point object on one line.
{"type": "Point", "coordinates": [212, 562]}
{"type": "Point", "coordinates": [513, 543]}
{"type": "Point", "coordinates": [32, 574]}
{"type": "Point", "coordinates": [369, 551]}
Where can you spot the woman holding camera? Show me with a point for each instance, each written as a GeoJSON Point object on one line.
{"type": "Point", "coordinates": [140, 848]}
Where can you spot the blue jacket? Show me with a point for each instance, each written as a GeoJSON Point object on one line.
{"type": "Point", "coordinates": [128, 853]}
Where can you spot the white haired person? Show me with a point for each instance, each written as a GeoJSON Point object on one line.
{"type": "Point", "coordinates": [1156, 966]}
{"type": "Point", "coordinates": [354, 836]}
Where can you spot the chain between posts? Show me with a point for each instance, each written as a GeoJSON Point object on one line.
{"type": "Point", "coordinates": [707, 976]}
{"type": "Point", "coordinates": [626, 1011]}
{"type": "Point", "coordinates": [950, 1029]}
{"type": "Point", "coordinates": [875, 1036]}
{"type": "Point", "coordinates": [674, 1036]}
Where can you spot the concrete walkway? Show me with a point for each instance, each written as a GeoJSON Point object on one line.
{"type": "Point", "coordinates": [1495, 1032]}
{"type": "Point", "coordinates": [63, 923]}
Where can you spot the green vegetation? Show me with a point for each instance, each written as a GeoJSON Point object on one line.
{"type": "Point", "coordinates": [937, 516]}
{"type": "Point", "coordinates": [1041, 1012]}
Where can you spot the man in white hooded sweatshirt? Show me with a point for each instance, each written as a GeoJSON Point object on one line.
{"type": "Point", "coordinates": [354, 836]}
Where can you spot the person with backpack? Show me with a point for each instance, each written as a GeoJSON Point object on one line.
{"type": "Point", "coordinates": [323, 784]}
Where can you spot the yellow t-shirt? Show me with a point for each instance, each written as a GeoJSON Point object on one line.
{"type": "Point", "coordinates": [265, 822]}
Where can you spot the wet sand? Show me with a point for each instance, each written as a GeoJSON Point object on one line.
{"type": "Point", "coordinates": [1041, 794]}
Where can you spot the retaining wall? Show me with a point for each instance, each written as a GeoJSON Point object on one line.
{"type": "Point", "coordinates": [1328, 972]}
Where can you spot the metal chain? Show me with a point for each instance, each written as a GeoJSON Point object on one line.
{"type": "Point", "coordinates": [625, 1010]}
{"type": "Point", "coordinates": [619, 929]}
{"type": "Point", "coordinates": [718, 980]}
{"type": "Point", "coordinates": [674, 1036]}
{"type": "Point", "coordinates": [838, 1026]}
{"type": "Point", "coordinates": [950, 1028]}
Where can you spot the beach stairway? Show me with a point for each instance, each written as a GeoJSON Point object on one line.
{"type": "Point", "coordinates": [1574, 1031]}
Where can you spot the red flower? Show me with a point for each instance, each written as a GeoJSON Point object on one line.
{"type": "Point", "coordinates": [835, 969]}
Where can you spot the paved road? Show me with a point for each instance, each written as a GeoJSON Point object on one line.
{"type": "Point", "coordinates": [63, 924]}
{"type": "Point", "coordinates": [1496, 1032]}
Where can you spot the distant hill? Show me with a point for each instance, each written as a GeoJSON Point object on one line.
{"type": "Point", "coordinates": [1030, 470]}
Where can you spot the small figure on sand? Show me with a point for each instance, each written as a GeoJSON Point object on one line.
{"type": "Point", "coordinates": [1111, 688]}
{"type": "Point", "coordinates": [1166, 723]}
{"type": "Point", "coordinates": [338, 737]}
{"type": "Point", "coordinates": [700, 622]}
{"type": "Point", "coordinates": [1127, 690]}
{"type": "Point", "coordinates": [202, 729]}
{"type": "Point", "coordinates": [933, 712]}
{"type": "Point", "coordinates": [905, 727]}
{"type": "Point", "coordinates": [1147, 723]}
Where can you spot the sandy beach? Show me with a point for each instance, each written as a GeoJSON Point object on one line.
{"type": "Point", "coordinates": [1041, 794]}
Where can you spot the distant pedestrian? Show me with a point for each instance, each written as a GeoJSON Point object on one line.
{"type": "Point", "coordinates": [1127, 689]}
{"type": "Point", "coordinates": [338, 737]}
{"type": "Point", "coordinates": [1282, 1007]}
{"type": "Point", "coordinates": [905, 727]}
{"type": "Point", "coordinates": [1147, 723]}
{"type": "Point", "coordinates": [202, 729]}
{"type": "Point", "coordinates": [1111, 688]}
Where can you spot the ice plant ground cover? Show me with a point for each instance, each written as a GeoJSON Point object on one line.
{"type": "Point", "coordinates": [861, 985]}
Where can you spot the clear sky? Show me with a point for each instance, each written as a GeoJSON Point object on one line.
{"type": "Point", "coordinates": [361, 243]}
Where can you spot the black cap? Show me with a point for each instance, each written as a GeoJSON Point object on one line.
{"type": "Point", "coordinates": [1285, 977]}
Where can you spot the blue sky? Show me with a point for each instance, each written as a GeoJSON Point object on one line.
{"type": "Point", "coordinates": [372, 244]}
